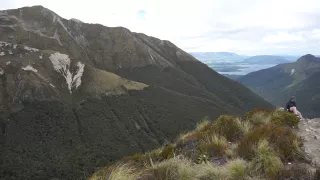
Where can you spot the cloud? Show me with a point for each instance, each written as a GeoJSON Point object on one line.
{"type": "Point", "coordinates": [245, 27]}
{"type": "Point", "coordinates": [282, 37]}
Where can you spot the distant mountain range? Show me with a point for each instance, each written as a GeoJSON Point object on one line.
{"type": "Point", "coordinates": [234, 64]}
{"type": "Point", "coordinates": [269, 59]}
{"type": "Point", "coordinates": [300, 78]}
{"type": "Point", "coordinates": [218, 56]}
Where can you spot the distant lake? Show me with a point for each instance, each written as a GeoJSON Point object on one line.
{"type": "Point", "coordinates": [238, 69]}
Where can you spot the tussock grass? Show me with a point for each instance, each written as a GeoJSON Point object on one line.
{"type": "Point", "coordinates": [172, 169]}
{"type": "Point", "coordinates": [228, 127]}
{"type": "Point", "coordinates": [237, 169]}
{"type": "Point", "coordinates": [202, 128]}
{"type": "Point", "coordinates": [260, 118]}
{"type": "Point", "coordinates": [168, 151]}
{"type": "Point", "coordinates": [154, 154]}
{"type": "Point", "coordinates": [245, 126]}
{"type": "Point", "coordinates": [284, 118]}
{"type": "Point", "coordinates": [281, 139]}
{"type": "Point", "coordinates": [211, 172]}
{"type": "Point", "coordinates": [253, 147]}
{"type": "Point", "coordinates": [232, 151]}
{"type": "Point", "coordinates": [121, 172]}
{"type": "Point", "coordinates": [203, 125]}
{"type": "Point", "coordinates": [185, 136]}
{"type": "Point", "coordinates": [214, 144]}
{"type": "Point", "coordinates": [265, 162]}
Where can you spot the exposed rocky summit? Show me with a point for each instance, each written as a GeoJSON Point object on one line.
{"type": "Point", "coordinates": [76, 96]}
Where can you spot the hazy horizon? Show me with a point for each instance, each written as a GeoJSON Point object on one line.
{"type": "Point", "coordinates": [248, 27]}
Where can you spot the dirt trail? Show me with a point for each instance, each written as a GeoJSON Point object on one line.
{"type": "Point", "coordinates": [309, 129]}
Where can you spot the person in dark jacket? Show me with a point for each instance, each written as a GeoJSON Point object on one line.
{"type": "Point", "coordinates": [291, 106]}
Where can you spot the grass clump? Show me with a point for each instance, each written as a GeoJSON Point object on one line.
{"type": "Point", "coordinates": [228, 127]}
{"type": "Point", "coordinates": [282, 139]}
{"type": "Point", "coordinates": [231, 152]}
{"type": "Point", "coordinates": [245, 126]}
{"type": "Point", "coordinates": [173, 169]}
{"type": "Point", "coordinates": [214, 144]}
{"type": "Point", "coordinates": [265, 162]}
{"type": "Point", "coordinates": [168, 151]}
{"type": "Point", "coordinates": [136, 158]}
{"type": "Point", "coordinates": [203, 125]}
{"type": "Point", "coordinates": [255, 111]}
{"type": "Point", "coordinates": [120, 172]}
{"type": "Point", "coordinates": [211, 172]}
{"type": "Point", "coordinates": [237, 169]}
{"type": "Point", "coordinates": [258, 116]}
{"type": "Point", "coordinates": [192, 135]}
{"type": "Point", "coordinates": [285, 119]}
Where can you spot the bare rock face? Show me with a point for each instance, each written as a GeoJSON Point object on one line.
{"type": "Point", "coordinates": [77, 96]}
{"type": "Point", "coordinates": [309, 129]}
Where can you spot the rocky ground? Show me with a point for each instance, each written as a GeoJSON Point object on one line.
{"type": "Point", "coordinates": [309, 129]}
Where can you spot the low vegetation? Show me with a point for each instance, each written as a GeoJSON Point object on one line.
{"type": "Point", "coordinates": [259, 145]}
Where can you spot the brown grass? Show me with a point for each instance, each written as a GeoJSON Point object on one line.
{"type": "Point", "coordinates": [228, 127]}
{"type": "Point", "coordinates": [282, 139]}
{"type": "Point", "coordinates": [214, 144]}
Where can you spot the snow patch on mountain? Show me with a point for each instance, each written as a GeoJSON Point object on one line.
{"type": "Point", "coordinates": [7, 63]}
{"type": "Point", "coordinates": [1, 71]}
{"type": "Point", "coordinates": [2, 53]}
{"type": "Point", "coordinates": [30, 68]}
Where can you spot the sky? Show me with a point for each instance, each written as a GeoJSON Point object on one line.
{"type": "Point", "coordinates": [246, 27]}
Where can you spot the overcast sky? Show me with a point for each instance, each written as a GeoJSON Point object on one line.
{"type": "Point", "coordinates": [247, 27]}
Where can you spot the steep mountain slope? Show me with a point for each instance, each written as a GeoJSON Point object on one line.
{"type": "Point", "coordinates": [267, 59]}
{"type": "Point", "coordinates": [71, 93]}
{"type": "Point", "coordinates": [300, 78]}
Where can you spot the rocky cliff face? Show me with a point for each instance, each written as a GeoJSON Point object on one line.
{"type": "Point", "coordinates": [71, 93]}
